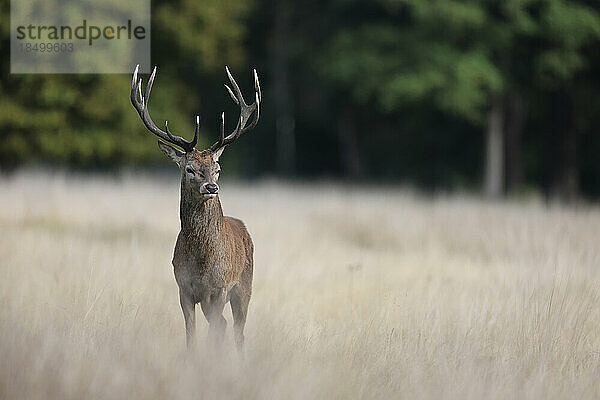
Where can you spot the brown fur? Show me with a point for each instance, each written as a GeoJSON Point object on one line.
{"type": "Point", "coordinates": [213, 258]}
{"type": "Point", "coordinates": [213, 254]}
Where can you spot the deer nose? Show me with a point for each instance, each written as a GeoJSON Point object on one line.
{"type": "Point", "coordinates": [211, 188]}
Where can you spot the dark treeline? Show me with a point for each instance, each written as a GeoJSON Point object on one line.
{"type": "Point", "coordinates": [498, 95]}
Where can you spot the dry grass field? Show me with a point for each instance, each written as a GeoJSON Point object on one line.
{"type": "Point", "coordinates": [359, 293]}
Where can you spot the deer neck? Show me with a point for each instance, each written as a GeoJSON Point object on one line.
{"type": "Point", "coordinates": [200, 219]}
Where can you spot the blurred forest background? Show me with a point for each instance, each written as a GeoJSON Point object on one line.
{"type": "Point", "coordinates": [502, 96]}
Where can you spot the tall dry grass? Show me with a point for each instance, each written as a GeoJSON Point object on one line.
{"type": "Point", "coordinates": [358, 293]}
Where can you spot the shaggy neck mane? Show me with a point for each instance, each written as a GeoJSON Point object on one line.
{"type": "Point", "coordinates": [200, 220]}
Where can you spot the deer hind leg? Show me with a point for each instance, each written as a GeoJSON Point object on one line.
{"type": "Point", "coordinates": [189, 314]}
{"type": "Point", "coordinates": [240, 299]}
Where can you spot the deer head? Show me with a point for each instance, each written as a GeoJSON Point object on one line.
{"type": "Point", "coordinates": [199, 169]}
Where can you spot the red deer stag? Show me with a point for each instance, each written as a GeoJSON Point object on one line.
{"type": "Point", "coordinates": [213, 258]}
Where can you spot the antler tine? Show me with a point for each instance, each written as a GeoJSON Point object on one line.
{"type": "Point", "coordinates": [149, 86]}
{"type": "Point", "coordinates": [140, 103]}
{"type": "Point", "coordinates": [236, 88]}
{"type": "Point", "coordinates": [257, 86]}
{"type": "Point", "coordinates": [134, 79]}
{"type": "Point", "coordinates": [246, 112]}
{"type": "Point", "coordinates": [196, 132]}
{"type": "Point", "coordinates": [235, 100]}
{"type": "Point", "coordinates": [222, 137]}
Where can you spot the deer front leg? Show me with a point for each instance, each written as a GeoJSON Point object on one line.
{"type": "Point", "coordinates": [212, 306]}
{"type": "Point", "coordinates": [189, 314]}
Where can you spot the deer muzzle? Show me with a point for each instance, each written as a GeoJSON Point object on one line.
{"type": "Point", "coordinates": [209, 190]}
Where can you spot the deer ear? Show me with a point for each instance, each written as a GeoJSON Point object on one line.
{"type": "Point", "coordinates": [217, 154]}
{"type": "Point", "coordinates": [171, 152]}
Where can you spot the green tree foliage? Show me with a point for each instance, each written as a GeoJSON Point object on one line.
{"type": "Point", "coordinates": [461, 57]}
{"type": "Point", "coordinates": [458, 53]}
{"type": "Point", "coordinates": [378, 89]}
{"type": "Point", "coordinates": [564, 29]}
{"type": "Point", "coordinates": [87, 120]}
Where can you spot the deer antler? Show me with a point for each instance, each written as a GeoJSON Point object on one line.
{"type": "Point", "coordinates": [246, 112]}
{"type": "Point", "coordinates": [141, 105]}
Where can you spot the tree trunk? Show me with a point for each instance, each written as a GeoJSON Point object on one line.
{"type": "Point", "coordinates": [284, 114]}
{"type": "Point", "coordinates": [494, 156]}
{"type": "Point", "coordinates": [565, 182]}
{"type": "Point", "coordinates": [515, 115]}
{"type": "Point", "coordinates": [569, 178]}
{"type": "Point", "coordinates": [349, 146]}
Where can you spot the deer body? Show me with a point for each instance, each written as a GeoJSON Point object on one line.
{"type": "Point", "coordinates": [213, 257]}
{"type": "Point", "coordinates": [213, 264]}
